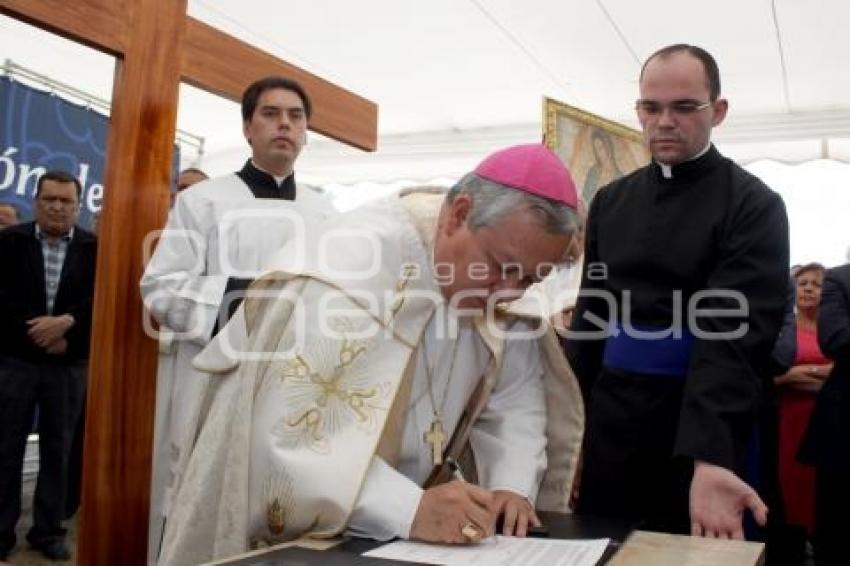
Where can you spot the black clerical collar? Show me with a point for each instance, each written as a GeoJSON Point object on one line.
{"type": "Point", "coordinates": [689, 170]}
{"type": "Point", "coordinates": [264, 185]}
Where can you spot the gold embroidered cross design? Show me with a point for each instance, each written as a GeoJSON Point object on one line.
{"type": "Point", "coordinates": [327, 391]}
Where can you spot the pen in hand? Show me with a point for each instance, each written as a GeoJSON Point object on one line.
{"type": "Point", "coordinates": [457, 474]}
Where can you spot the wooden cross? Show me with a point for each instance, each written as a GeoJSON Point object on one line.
{"type": "Point", "coordinates": [436, 436]}
{"type": "Point", "coordinates": [156, 45]}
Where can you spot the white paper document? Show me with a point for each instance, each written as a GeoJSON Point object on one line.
{"type": "Point", "coordinates": [498, 551]}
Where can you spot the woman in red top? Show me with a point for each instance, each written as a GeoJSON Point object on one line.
{"type": "Point", "coordinates": [796, 392]}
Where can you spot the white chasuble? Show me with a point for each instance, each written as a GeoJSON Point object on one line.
{"type": "Point", "coordinates": [289, 445]}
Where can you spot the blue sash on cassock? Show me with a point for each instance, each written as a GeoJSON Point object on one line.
{"type": "Point", "coordinates": [658, 356]}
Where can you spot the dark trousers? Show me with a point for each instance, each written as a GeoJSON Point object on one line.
{"type": "Point", "coordinates": [59, 391]}
{"type": "Point", "coordinates": [785, 545]}
{"type": "Point", "coordinates": [832, 501]}
{"type": "Point", "coordinates": [628, 471]}
{"type": "Point", "coordinates": [75, 468]}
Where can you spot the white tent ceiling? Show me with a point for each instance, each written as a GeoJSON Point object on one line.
{"type": "Point", "coordinates": [455, 78]}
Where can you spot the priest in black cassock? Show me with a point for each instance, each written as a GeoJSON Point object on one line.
{"type": "Point", "coordinates": [682, 298]}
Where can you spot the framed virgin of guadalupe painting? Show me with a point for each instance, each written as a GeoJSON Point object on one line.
{"type": "Point", "coordinates": [596, 150]}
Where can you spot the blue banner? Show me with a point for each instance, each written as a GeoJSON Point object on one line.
{"type": "Point", "coordinates": [41, 131]}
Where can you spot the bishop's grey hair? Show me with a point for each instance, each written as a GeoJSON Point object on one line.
{"type": "Point", "coordinates": [492, 202]}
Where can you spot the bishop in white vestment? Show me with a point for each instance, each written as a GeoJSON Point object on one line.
{"type": "Point", "coordinates": [372, 357]}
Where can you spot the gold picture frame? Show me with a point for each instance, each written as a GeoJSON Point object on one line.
{"type": "Point", "coordinates": [581, 140]}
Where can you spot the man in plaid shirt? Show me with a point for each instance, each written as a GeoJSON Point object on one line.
{"type": "Point", "coordinates": [46, 293]}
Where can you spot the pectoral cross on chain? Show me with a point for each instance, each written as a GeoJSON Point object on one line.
{"type": "Point", "coordinates": [435, 436]}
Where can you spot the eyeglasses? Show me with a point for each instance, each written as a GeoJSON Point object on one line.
{"type": "Point", "coordinates": [678, 107]}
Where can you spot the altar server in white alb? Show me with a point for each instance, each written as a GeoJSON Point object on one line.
{"type": "Point", "coordinates": [220, 233]}
{"type": "Point", "coordinates": [349, 383]}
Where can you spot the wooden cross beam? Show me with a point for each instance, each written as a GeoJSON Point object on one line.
{"type": "Point", "coordinates": [156, 45]}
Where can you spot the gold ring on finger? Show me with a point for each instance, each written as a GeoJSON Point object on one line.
{"type": "Point", "coordinates": [470, 531]}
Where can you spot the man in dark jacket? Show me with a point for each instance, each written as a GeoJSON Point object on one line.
{"type": "Point", "coordinates": [826, 444]}
{"type": "Point", "coordinates": [46, 290]}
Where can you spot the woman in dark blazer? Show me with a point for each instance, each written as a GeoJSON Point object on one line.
{"type": "Point", "coordinates": [827, 441]}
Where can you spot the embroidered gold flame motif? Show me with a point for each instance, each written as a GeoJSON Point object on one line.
{"type": "Point", "coordinates": [279, 495]}
{"type": "Point", "coordinates": [275, 517]}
